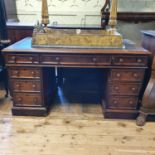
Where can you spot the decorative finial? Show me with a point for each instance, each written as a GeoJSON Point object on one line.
{"type": "Point", "coordinates": [45, 15]}
{"type": "Point", "coordinates": [113, 14]}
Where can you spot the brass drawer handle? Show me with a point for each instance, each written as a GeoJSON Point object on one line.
{"type": "Point", "coordinates": [33, 73]}
{"type": "Point", "coordinates": [18, 85]}
{"type": "Point", "coordinates": [94, 59]}
{"type": "Point", "coordinates": [139, 60]}
{"type": "Point", "coordinates": [34, 86]}
{"type": "Point", "coordinates": [35, 100]}
{"type": "Point", "coordinates": [13, 58]}
{"type": "Point", "coordinates": [130, 102]}
{"type": "Point", "coordinates": [115, 102]}
{"type": "Point", "coordinates": [135, 75]}
{"type": "Point", "coordinates": [30, 58]}
{"type": "Point", "coordinates": [121, 60]}
{"type": "Point", "coordinates": [116, 88]}
{"type": "Point", "coordinates": [57, 58]}
{"type": "Point", "coordinates": [133, 89]}
{"type": "Point", "coordinates": [16, 72]}
{"type": "Point", "coordinates": [118, 75]}
{"type": "Point", "coordinates": [19, 99]}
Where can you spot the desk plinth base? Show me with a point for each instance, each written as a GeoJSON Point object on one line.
{"type": "Point", "coordinates": [30, 111]}
{"type": "Point", "coordinates": [120, 114]}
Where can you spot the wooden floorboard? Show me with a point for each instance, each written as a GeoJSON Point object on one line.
{"type": "Point", "coordinates": [72, 129]}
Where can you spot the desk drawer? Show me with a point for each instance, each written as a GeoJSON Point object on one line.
{"type": "Point", "coordinates": [25, 86]}
{"type": "Point", "coordinates": [124, 88]}
{"type": "Point", "coordinates": [131, 75]}
{"type": "Point", "coordinates": [22, 58]}
{"type": "Point", "coordinates": [130, 60]}
{"type": "Point", "coordinates": [122, 102]}
{"type": "Point", "coordinates": [27, 99]}
{"type": "Point", "coordinates": [76, 59]}
{"type": "Point", "coordinates": [22, 72]}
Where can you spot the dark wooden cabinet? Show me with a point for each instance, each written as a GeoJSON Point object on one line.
{"type": "Point", "coordinates": [148, 102]}
{"type": "Point", "coordinates": [33, 81]}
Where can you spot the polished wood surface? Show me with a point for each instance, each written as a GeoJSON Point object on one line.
{"type": "Point", "coordinates": [72, 129]}
{"type": "Point", "coordinates": [33, 80]}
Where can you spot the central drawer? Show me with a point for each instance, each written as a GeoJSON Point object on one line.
{"type": "Point", "coordinates": [25, 86]}
{"type": "Point", "coordinates": [76, 59]}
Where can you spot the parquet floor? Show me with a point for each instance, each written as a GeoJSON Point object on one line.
{"type": "Point", "coordinates": [72, 129]}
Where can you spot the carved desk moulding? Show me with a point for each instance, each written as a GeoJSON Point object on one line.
{"type": "Point", "coordinates": [107, 37]}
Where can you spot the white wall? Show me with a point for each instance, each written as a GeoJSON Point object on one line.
{"type": "Point", "coordinates": [81, 12]}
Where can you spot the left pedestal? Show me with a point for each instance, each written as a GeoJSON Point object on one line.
{"type": "Point", "coordinates": [32, 89]}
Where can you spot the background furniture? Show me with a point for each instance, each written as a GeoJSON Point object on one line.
{"type": "Point", "coordinates": [148, 102]}
{"type": "Point", "coordinates": [33, 81]}
{"type": "Point", "coordinates": [3, 43]}
{"type": "Point", "coordinates": [3, 73]}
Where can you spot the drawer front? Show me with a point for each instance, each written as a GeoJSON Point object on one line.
{"type": "Point", "coordinates": [22, 58]}
{"type": "Point", "coordinates": [135, 75]}
{"type": "Point", "coordinates": [130, 60]}
{"type": "Point", "coordinates": [27, 99]}
{"type": "Point", "coordinates": [22, 72]}
{"type": "Point", "coordinates": [25, 86]}
{"type": "Point", "coordinates": [124, 88]}
{"type": "Point", "coordinates": [122, 102]}
{"type": "Point", "coordinates": [76, 59]}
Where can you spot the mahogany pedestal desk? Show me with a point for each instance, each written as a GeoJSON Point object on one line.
{"type": "Point", "coordinates": [33, 82]}
{"type": "Point", "coordinates": [148, 102]}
